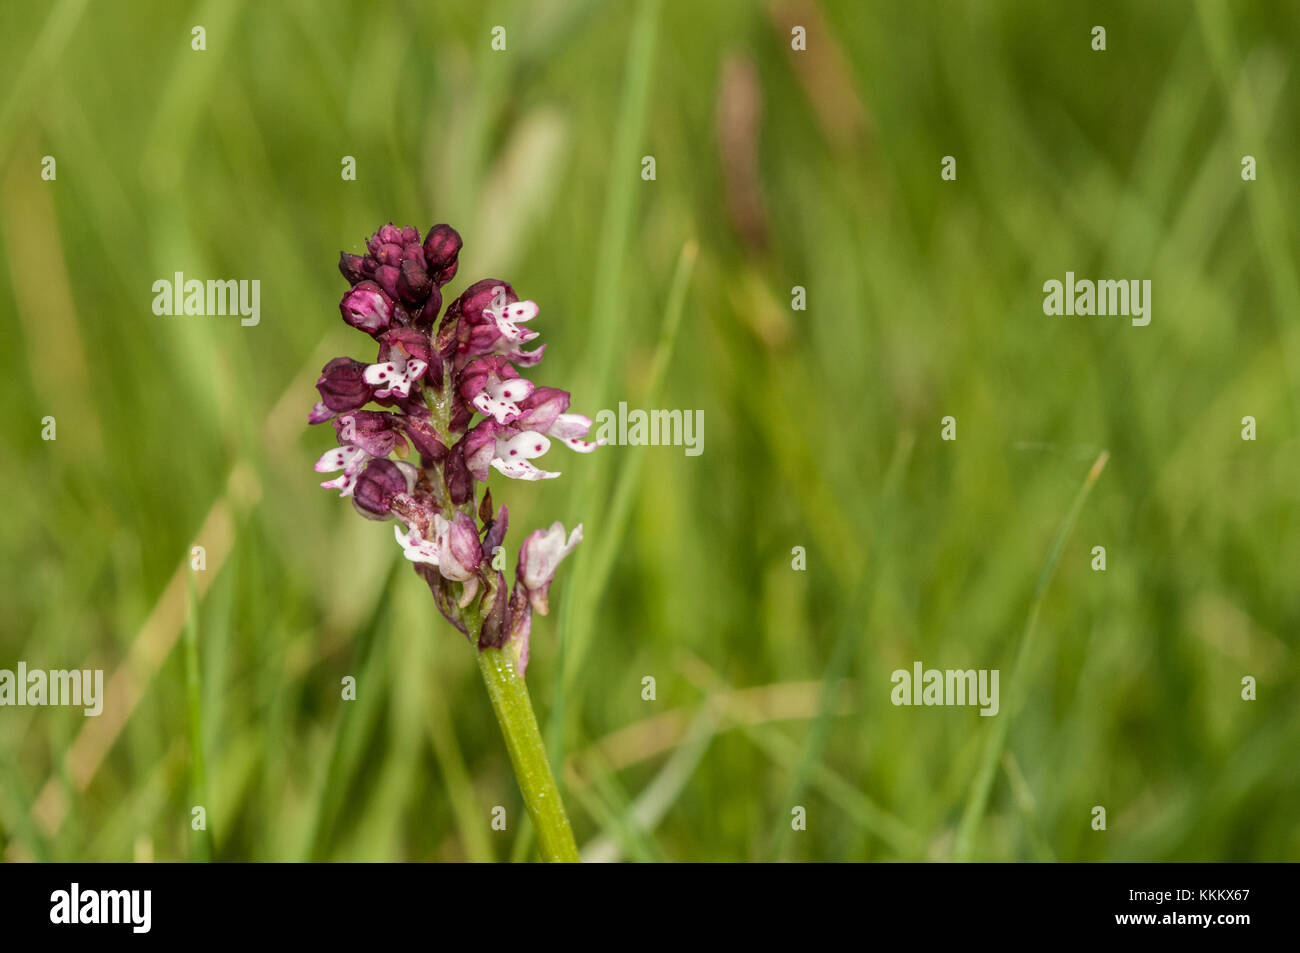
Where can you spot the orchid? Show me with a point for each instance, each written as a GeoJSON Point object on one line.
{"type": "Point", "coordinates": [434, 377]}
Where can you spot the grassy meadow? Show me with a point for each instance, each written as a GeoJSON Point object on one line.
{"type": "Point", "coordinates": [774, 169]}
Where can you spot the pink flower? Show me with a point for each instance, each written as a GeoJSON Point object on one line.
{"type": "Point", "coordinates": [541, 554]}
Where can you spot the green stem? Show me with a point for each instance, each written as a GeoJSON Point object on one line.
{"type": "Point", "coordinates": [514, 711]}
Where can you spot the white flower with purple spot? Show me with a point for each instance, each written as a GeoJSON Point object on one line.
{"type": "Point", "coordinates": [499, 399]}
{"type": "Point", "coordinates": [395, 376]}
{"type": "Point", "coordinates": [512, 456]}
{"type": "Point", "coordinates": [415, 547]}
{"type": "Point", "coordinates": [347, 458]}
{"type": "Point", "coordinates": [507, 317]}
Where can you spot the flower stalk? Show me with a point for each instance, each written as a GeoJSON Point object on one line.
{"type": "Point", "coordinates": [509, 695]}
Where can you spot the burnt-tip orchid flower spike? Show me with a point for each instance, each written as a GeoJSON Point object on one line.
{"type": "Point", "coordinates": [420, 427]}
{"type": "Point", "coordinates": [450, 406]}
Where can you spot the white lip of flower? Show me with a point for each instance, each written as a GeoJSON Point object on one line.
{"type": "Point", "coordinates": [417, 549]}
{"type": "Point", "coordinates": [512, 456]}
{"type": "Point", "coordinates": [500, 400]}
{"type": "Point", "coordinates": [347, 458]}
{"type": "Point", "coordinates": [569, 429]}
{"type": "Point", "coordinates": [395, 376]}
{"type": "Point", "coordinates": [507, 317]}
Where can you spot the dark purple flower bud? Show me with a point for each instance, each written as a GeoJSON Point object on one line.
{"type": "Point", "coordinates": [379, 484]}
{"type": "Point", "coordinates": [388, 234]}
{"type": "Point", "coordinates": [461, 415]}
{"type": "Point", "coordinates": [367, 308]}
{"type": "Point", "coordinates": [386, 276]}
{"type": "Point", "coordinates": [372, 430]}
{"type": "Point", "coordinates": [496, 533]}
{"type": "Point", "coordinates": [460, 482]}
{"type": "Point", "coordinates": [442, 253]}
{"type": "Point", "coordinates": [539, 410]}
{"type": "Point", "coordinates": [352, 267]}
{"type": "Point", "coordinates": [409, 235]}
{"type": "Point", "coordinates": [389, 254]}
{"type": "Point", "coordinates": [423, 436]}
{"type": "Point", "coordinates": [342, 385]}
{"type": "Point", "coordinates": [413, 284]}
{"type": "Point", "coordinates": [428, 315]}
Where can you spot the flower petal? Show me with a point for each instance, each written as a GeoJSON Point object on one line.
{"type": "Point", "coordinates": [415, 548]}
{"type": "Point", "coordinates": [503, 411]}
{"type": "Point", "coordinates": [346, 457]}
{"type": "Point", "coordinates": [520, 311]}
{"type": "Point", "coordinates": [522, 470]}
{"type": "Point", "coordinates": [381, 375]}
{"type": "Point", "coordinates": [523, 446]}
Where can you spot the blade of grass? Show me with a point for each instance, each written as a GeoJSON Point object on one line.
{"type": "Point", "coordinates": [786, 752]}
{"type": "Point", "coordinates": [659, 795]}
{"type": "Point", "coordinates": [201, 840]}
{"type": "Point", "coordinates": [983, 782]}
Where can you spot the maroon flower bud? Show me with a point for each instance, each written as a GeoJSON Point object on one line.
{"type": "Point", "coordinates": [461, 415]}
{"type": "Point", "coordinates": [442, 253]}
{"type": "Point", "coordinates": [386, 276]}
{"type": "Point", "coordinates": [496, 533]}
{"type": "Point", "coordinates": [388, 234]}
{"type": "Point", "coordinates": [371, 430]}
{"type": "Point", "coordinates": [428, 315]}
{"type": "Point", "coordinates": [352, 267]}
{"type": "Point", "coordinates": [367, 308]}
{"type": "Point", "coordinates": [413, 284]}
{"type": "Point", "coordinates": [342, 385]}
{"type": "Point", "coordinates": [423, 436]}
{"type": "Point", "coordinates": [379, 484]}
{"type": "Point", "coordinates": [460, 482]}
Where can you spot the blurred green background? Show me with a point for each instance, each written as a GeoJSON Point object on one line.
{"type": "Point", "coordinates": [774, 169]}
